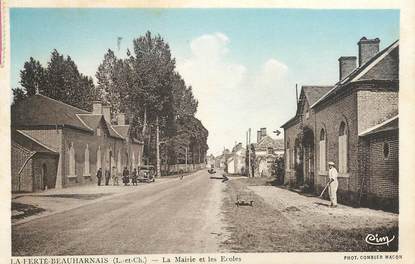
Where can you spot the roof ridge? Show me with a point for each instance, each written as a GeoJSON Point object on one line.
{"type": "Point", "coordinates": [345, 80]}
{"type": "Point", "coordinates": [60, 102]}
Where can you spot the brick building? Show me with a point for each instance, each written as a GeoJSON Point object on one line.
{"type": "Point", "coordinates": [267, 150]}
{"type": "Point", "coordinates": [236, 160]}
{"type": "Point", "coordinates": [353, 123]}
{"type": "Point", "coordinates": [56, 145]}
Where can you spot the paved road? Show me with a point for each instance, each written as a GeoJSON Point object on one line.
{"type": "Point", "coordinates": [177, 216]}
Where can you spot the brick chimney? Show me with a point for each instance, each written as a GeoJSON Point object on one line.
{"type": "Point", "coordinates": [97, 108]}
{"type": "Point", "coordinates": [367, 49]}
{"type": "Point", "coordinates": [258, 136]}
{"type": "Point", "coordinates": [106, 111]}
{"type": "Point", "coordinates": [263, 132]}
{"type": "Point", "coordinates": [346, 65]}
{"type": "Point", "coordinates": [121, 119]}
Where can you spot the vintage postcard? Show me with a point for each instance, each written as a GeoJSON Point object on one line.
{"type": "Point", "coordinates": [207, 132]}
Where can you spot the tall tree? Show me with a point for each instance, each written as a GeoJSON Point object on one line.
{"type": "Point", "coordinates": [112, 77]}
{"type": "Point", "coordinates": [60, 80]}
{"type": "Point", "coordinates": [150, 89]}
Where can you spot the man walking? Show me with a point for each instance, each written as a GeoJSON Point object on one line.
{"type": "Point", "coordinates": [107, 177]}
{"type": "Point", "coordinates": [99, 176]}
{"type": "Point", "coordinates": [333, 184]}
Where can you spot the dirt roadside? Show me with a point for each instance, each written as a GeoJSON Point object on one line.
{"type": "Point", "coordinates": [285, 221]}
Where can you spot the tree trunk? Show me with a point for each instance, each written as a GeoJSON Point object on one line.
{"type": "Point", "coordinates": [158, 147]}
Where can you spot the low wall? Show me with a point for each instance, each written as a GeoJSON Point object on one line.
{"type": "Point", "coordinates": [180, 168]}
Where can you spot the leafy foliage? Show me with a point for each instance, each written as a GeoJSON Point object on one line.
{"type": "Point", "coordinates": [60, 80]}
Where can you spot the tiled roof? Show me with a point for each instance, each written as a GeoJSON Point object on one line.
{"type": "Point", "coordinates": [29, 143]}
{"type": "Point", "coordinates": [268, 142]}
{"type": "Point", "coordinates": [358, 72]}
{"type": "Point", "coordinates": [91, 120]}
{"type": "Point", "coordinates": [39, 110]}
{"type": "Point", "coordinates": [122, 130]}
{"type": "Point", "coordinates": [313, 93]}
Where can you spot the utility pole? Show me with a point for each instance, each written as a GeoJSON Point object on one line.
{"type": "Point", "coordinates": [186, 158]}
{"type": "Point", "coordinates": [249, 153]}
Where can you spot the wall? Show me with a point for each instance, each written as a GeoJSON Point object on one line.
{"type": "Point", "coordinates": [375, 106]}
{"type": "Point", "coordinates": [383, 185]}
{"type": "Point", "coordinates": [290, 134]}
{"type": "Point", "coordinates": [329, 118]}
{"type": "Point", "coordinates": [51, 162]}
{"type": "Point", "coordinates": [24, 181]}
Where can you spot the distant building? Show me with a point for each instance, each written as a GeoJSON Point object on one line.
{"type": "Point", "coordinates": [354, 124]}
{"type": "Point", "coordinates": [267, 150]}
{"type": "Point", "coordinates": [236, 160]}
{"type": "Point", "coordinates": [56, 145]}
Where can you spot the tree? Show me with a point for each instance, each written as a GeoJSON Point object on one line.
{"type": "Point", "coordinates": [150, 85]}
{"type": "Point", "coordinates": [112, 77]}
{"type": "Point", "coordinates": [60, 80]}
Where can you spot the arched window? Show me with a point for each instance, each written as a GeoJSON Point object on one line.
{"type": "Point", "coordinates": [99, 158]}
{"type": "Point", "coordinates": [287, 156]}
{"type": "Point", "coordinates": [119, 165]}
{"type": "Point", "coordinates": [386, 150]}
{"type": "Point", "coordinates": [322, 151]}
{"type": "Point", "coordinates": [133, 164]}
{"type": "Point", "coordinates": [343, 148]}
{"type": "Point", "coordinates": [72, 161]}
{"type": "Point", "coordinates": [86, 161]}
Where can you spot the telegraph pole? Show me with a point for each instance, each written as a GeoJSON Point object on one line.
{"type": "Point", "coordinates": [249, 153]}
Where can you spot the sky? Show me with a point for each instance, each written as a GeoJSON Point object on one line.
{"type": "Point", "coordinates": [243, 64]}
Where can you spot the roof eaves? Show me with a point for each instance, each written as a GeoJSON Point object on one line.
{"type": "Point", "coordinates": [35, 140]}
{"type": "Point", "coordinates": [369, 130]}
{"type": "Point", "coordinates": [376, 61]}
{"type": "Point", "coordinates": [82, 121]}
{"type": "Point", "coordinates": [364, 69]}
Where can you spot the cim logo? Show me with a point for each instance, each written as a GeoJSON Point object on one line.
{"type": "Point", "coordinates": [378, 240]}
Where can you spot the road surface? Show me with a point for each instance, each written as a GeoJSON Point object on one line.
{"type": "Point", "coordinates": [175, 216]}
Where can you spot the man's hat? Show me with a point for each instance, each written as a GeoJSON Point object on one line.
{"type": "Point", "coordinates": [331, 163]}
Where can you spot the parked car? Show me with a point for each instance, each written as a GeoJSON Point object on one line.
{"type": "Point", "coordinates": [146, 174]}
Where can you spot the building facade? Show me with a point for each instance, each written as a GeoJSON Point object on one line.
{"type": "Point", "coordinates": [55, 145]}
{"type": "Point", "coordinates": [354, 124]}
{"type": "Point", "coordinates": [267, 150]}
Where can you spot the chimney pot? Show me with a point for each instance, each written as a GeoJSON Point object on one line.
{"type": "Point", "coordinates": [347, 64]}
{"type": "Point", "coordinates": [263, 132]}
{"type": "Point", "coordinates": [96, 108]}
{"type": "Point", "coordinates": [121, 119]}
{"type": "Point", "coordinates": [367, 49]}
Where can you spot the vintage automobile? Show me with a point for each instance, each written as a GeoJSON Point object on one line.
{"type": "Point", "coordinates": [146, 174]}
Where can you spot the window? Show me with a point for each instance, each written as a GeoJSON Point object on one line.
{"type": "Point", "coordinates": [386, 150]}
{"type": "Point", "coordinates": [342, 148]}
{"type": "Point", "coordinates": [133, 164]}
{"type": "Point", "coordinates": [119, 162]}
{"type": "Point", "coordinates": [98, 132]}
{"type": "Point", "coordinates": [72, 161]}
{"type": "Point", "coordinates": [322, 149]}
{"type": "Point", "coordinates": [287, 156]}
{"type": "Point", "coordinates": [99, 158]}
{"type": "Point", "coordinates": [86, 165]}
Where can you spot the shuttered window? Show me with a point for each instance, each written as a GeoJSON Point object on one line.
{"type": "Point", "coordinates": [72, 161]}
{"type": "Point", "coordinates": [99, 158]}
{"type": "Point", "coordinates": [86, 162]}
{"type": "Point", "coordinates": [322, 149]}
{"type": "Point", "coordinates": [343, 148]}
